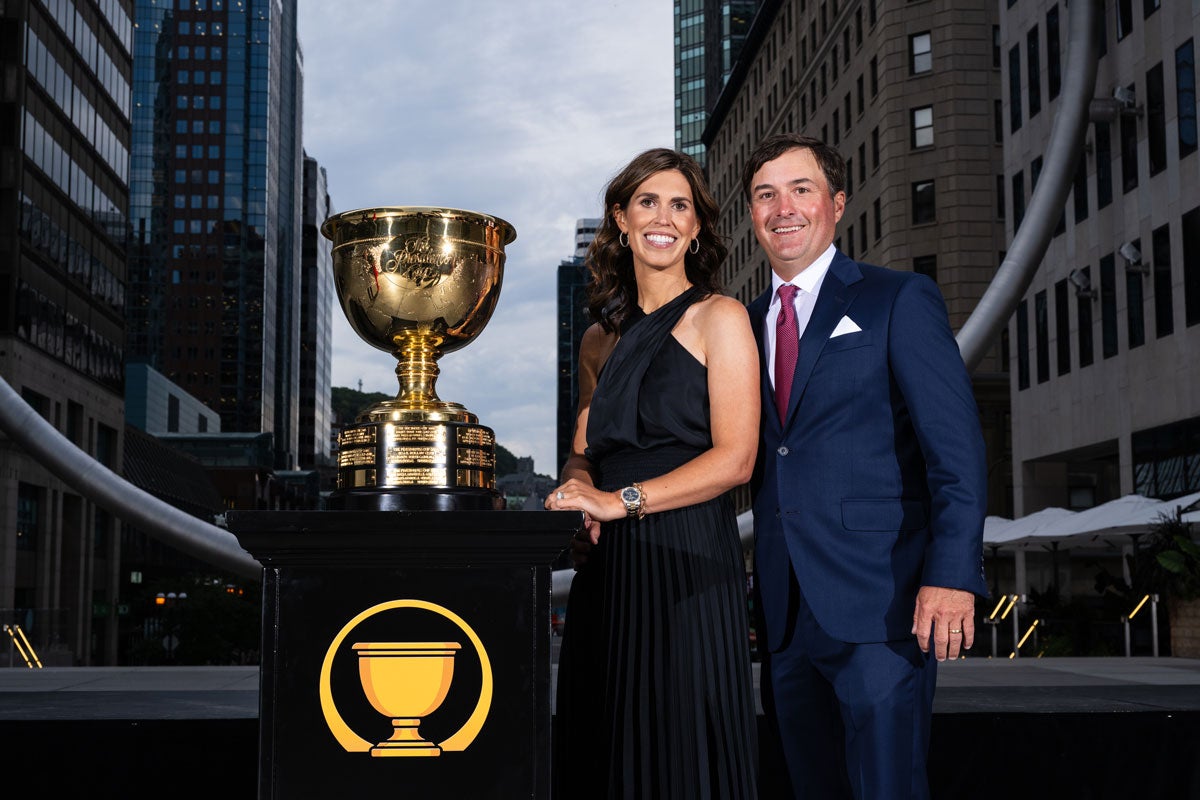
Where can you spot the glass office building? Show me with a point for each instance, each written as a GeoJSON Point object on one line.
{"type": "Point", "coordinates": [215, 208]}
{"type": "Point", "coordinates": [64, 146]}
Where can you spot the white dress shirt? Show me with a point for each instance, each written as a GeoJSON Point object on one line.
{"type": "Point", "coordinates": [808, 282]}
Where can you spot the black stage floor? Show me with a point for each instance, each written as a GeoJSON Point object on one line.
{"type": "Point", "coordinates": [1063, 728]}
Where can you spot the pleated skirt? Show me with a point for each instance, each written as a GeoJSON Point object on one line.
{"type": "Point", "coordinates": [655, 691]}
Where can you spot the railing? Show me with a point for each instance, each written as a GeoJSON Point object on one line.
{"type": "Point", "coordinates": [20, 642]}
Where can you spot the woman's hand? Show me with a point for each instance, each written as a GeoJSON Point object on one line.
{"type": "Point", "coordinates": [577, 495]}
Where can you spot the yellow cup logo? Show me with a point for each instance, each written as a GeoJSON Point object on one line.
{"type": "Point", "coordinates": [406, 681]}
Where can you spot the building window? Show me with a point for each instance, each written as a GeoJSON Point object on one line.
{"type": "Point", "coordinates": [1014, 89]}
{"type": "Point", "coordinates": [878, 220]}
{"type": "Point", "coordinates": [1156, 119]}
{"type": "Point", "coordinates": [1018, 199]}
{"type": "Point", "coordinates": [920, 51]}
{"type": "Point", "coordinates": [1185, 97]}
{"type": "Point", "coordinates": [922, 126]}
{"type": "Point", "coordinates": [862, 232]}
{"type": "Point", "coordinates": [1164, 315]}
{"type": "Point", "coordinates": [996, 47]}
{"type": "Point", "coordinates": [1053, 53]}
{"type": "Point", "coordinates": [1166, 460]}
{"type": "Point", "coordinates": [1103, 165]}
{"type": "Point", "coordinates": [850, 242]}
{"type": "Point", "coordinates": [849, 177]}
{"type": "Point", "coordinates": [1062, 325]}
{"type": "Point", "coordinates": [998, 121]}
{"type": "Point", "coordinates": [1083, 310]}
{"type": "Point", "coordinates": [1124, 18]}
{"type": "Point", "coordinates": [1149, 7]}
{"type": "Point", "coordinates": [862, 163]}
{"type": "Point", "coordinates": [924, 207]}
{"type": "Point", "coordinates": [1081, 191]}
{"type": "Point", "coordinates": [1135, 312]}
{"type": "Point", "coordinates": [1000, 200]}
{"type": "Point", "coordinates": [1108, 306]}
{"type": "Point", "coordinates": [1129, 165]}
{"type": "Point", "coordinates": [874, 76]}
{"type": "Point", "coordinates": [1191, 267]}
{"type": "Point", "coordinates": [837, 129]}
{"type": "Point", "coordinates": [1033, 59]}
{"type": "Point", "coordinates": [875, 148]}
{"type": "Point", "coordinates": [1041, 336]}
{"type": "Point", "coordinates": [927, 266]}
{"type": "Point", "coordinates": [172, 414]}
{"type": "Point", "coordinates": [1022, 346]}
{"type": "Point", "coordinates": [28, 517]}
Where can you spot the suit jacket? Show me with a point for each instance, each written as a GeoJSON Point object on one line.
{"type": "Point", "coordinates": [875, 483]}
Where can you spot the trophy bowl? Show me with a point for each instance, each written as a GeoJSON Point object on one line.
{"type": "Point", "coordinates": [406, 682]}
{"type": "Point", "coordinates": [418, 282]}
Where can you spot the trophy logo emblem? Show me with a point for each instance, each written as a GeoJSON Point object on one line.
{"type": "Point", "coordinates": [405, 682]}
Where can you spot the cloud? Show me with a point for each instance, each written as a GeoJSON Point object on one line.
{"type": "Point", "coordinates": [523, 110]}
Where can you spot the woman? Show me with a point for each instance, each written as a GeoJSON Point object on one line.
{"type": "Point", "coordinates": [655, 695]}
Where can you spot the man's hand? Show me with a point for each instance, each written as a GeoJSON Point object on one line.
{"type": "Point", "coordinates": [950, 615]}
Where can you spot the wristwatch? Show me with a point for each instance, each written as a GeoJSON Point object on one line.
{"type": "Point", "coordinates": [634, 498]}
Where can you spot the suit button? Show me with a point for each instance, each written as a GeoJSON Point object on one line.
{"type": "Point", "coordinates": [783, 451]}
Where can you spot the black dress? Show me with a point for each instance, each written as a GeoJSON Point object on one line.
{"type": "Point", "coordinates": [655, 695]}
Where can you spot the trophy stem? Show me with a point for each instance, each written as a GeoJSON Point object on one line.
{"type": "Point", "coordinates": [405, 741]}
{"type": "Point", "coordinates": [417, 370]}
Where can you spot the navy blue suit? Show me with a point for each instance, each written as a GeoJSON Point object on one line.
{"type": "Point", "coordinates": [873, 486]}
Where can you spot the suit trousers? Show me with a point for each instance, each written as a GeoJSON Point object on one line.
{"type": "Point", "coordinates": [853, 719]}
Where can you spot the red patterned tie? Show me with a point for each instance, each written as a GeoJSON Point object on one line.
{"type": "Point", "coordinates": [787, 347]}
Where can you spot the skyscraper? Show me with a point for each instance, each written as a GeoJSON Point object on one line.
{"type": "Point", "coordinates": [64, 144]}
{"type": "Point", "coordinates": [708, 38]}
{"type": "Point", "coordinates": [316, 321]}
{"type": "Point", "coordinates": [215, 205]}
{"type": "Point", "coordinates": [572, 322]}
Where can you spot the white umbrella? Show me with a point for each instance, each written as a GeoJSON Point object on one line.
{"type": "Point", "coordinates": [1024, 530]}
{"type": "Point", "coordinates": [1132, 514]}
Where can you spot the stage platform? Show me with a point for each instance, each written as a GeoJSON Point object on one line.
{"type": "Point", "coordinates": [1071, 728]}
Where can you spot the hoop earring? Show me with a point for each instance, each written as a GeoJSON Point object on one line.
{"type": "Point", "coordinates": [623, 238]}
{"type": "Point", "coordinates": [694, 247]}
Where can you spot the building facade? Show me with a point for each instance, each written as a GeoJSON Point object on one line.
{"type": "Point", "coordinates": [909, 94]}
{"type": "Point", "coordinates": [64, 143]}
{"type": "Point", "coordinates": [1106, 386]}
{"type": "Point", "coordinates": [215, 206]}
{"type": "Point", "coordinates": [156, 405]}
{"type": "Point", "coordinates": [316, 324]}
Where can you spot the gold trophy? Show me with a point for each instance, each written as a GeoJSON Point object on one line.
{"type": "Point", "coordinates": [406, 681]}
{"type": "Point", "coordinates": [418, 282]}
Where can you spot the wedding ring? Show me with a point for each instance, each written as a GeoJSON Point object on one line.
{"type": "Point", "coordinates": [956, 630]}
{"type": "Point", "coordinates": [558, 495]}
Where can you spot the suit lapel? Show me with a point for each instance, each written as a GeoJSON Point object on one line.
{"type": "Point", "coordinates": [758, 315]}
{"type": "Point", "coordinates": [838, 290]}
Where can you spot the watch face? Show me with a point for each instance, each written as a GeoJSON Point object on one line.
{"type": "Point", "coordinates": [630, 494]}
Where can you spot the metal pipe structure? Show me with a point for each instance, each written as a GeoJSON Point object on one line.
{"type": "Point", "coordinates": [1033, 236]}
{"type": "Point", "coordinates": [109, 490]}
{"type": "Point", "coordinates": [220, 548]}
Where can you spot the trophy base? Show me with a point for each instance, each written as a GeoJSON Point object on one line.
{"type": "Point", "coordinates": [412, 463]}
{"type": "Point", "coordinates": [415, 500]}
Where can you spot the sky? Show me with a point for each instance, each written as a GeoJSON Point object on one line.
{"type": "Point", "coordinates": [523, 110]}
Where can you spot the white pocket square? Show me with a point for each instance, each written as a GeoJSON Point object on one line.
{"type": "Point", "coordinates": [844, 326]}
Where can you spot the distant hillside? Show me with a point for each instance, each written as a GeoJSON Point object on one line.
{"type": "Point", "coordinates": [349, 403]}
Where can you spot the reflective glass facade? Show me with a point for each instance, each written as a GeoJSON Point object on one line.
{"type": "Point", "coordinates": [708, 38]}
{"type": "Point", "coordinates": [316, 323]}
{"type": "Point", "coordinates": [215, 204]}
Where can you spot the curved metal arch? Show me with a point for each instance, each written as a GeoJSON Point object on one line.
{"type": "Point", "coordinates": [109, 490]}
{"type": "Point", "coordinates": [1029, 244]}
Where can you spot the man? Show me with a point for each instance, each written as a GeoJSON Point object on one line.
{"type": "Point", "coordinates": [869, 491]}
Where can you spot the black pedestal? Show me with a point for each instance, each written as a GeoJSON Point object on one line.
{"type": "Point", "coordinates": [405, 653]}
